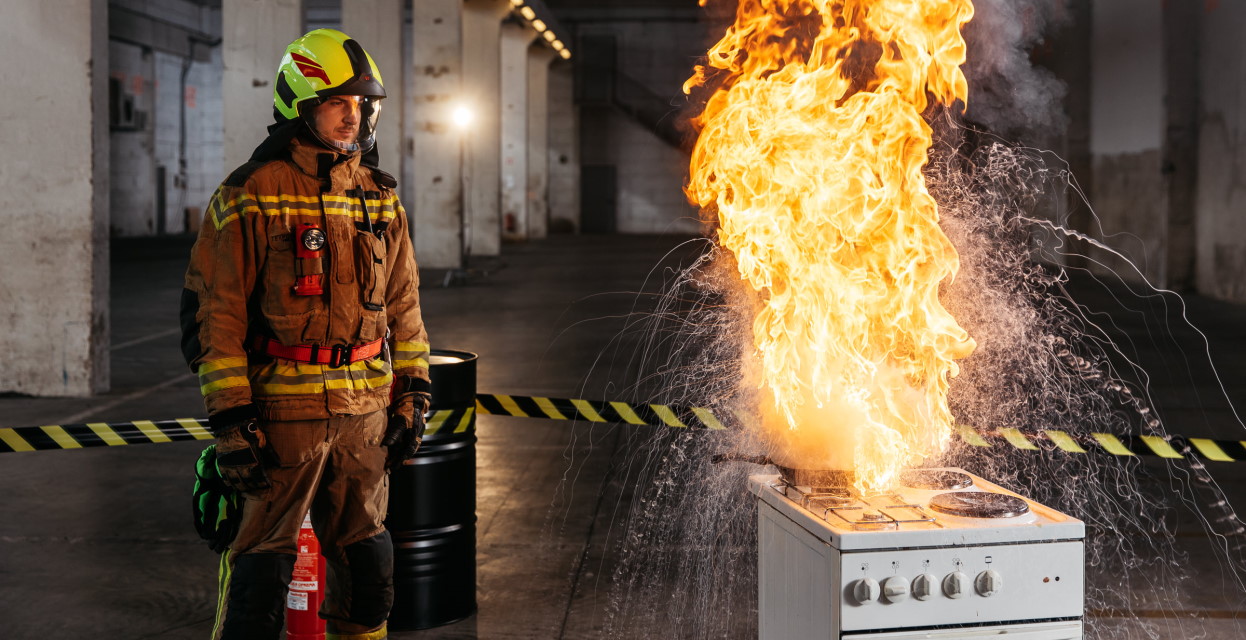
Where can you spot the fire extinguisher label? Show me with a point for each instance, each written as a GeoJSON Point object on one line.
{"type": "Point", "coordinates": [296, 600]}
{"type": "Point", "coordinates": [303, 585]}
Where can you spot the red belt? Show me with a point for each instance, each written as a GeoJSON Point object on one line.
{"type": "Point", "coordinates": [335, 356]}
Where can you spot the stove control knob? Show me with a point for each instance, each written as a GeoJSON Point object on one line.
{"type": "Point", "coordinates": [955, 585]}
{"type": "Point", "coordinates": [924, 586]}
{"type": "Point", "coordinates": [896, 589]}
{"type": "Point", "coordinates": [988, 583]}
{"type": "Point", "coordinates": [866, 590]}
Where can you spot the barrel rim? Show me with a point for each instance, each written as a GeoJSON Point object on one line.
{"type": "Point", "coordinates": [464, 356]}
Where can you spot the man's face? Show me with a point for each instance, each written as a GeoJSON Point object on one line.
{"type": "Point", "coordinates": [337, 118]}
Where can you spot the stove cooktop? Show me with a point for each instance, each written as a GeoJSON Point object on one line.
{"type": "Point", "coordinates": [932, 507]}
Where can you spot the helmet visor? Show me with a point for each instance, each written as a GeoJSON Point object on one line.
{"type": "Point", "coordinates": [343, 123]}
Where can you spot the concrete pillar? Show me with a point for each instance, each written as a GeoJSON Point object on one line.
{"type": "Point", "coordinates": [513, 48]}
{"type": "Point", "coordinates": [564, 149]}
{"type": "Point", "coordinates": [539, 57]}
{"type": "Point", "coordinates": [437, 202]}
{"type": "Point", "coordinates": [481, 89]}
{"type": "Point", "coordinates": [54, 249]}
{"type": "Point", "coordinates": [377, 25]}
{"type": "Point", "coordinates": [1127, 127]}
{"type": "Point", "coordinates": [1180, 162]}
{"type": "Point", "coordinates": [1221, 226]}
{"type": "Point", "coordinates": [255, 33]}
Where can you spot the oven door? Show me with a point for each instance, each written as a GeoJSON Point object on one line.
{"type": "Point", "coordinates": [1041, 631]}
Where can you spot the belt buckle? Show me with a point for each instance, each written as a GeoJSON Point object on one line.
{"type": "Point", "coordinates": [339, 355]}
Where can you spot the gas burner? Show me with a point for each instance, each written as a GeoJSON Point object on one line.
{"type": "Point", "coordinates": [933, 480]}
{"type": "Point", "coordinates": [979, 504]}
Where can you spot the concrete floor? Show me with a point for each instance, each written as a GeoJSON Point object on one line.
{"type": "Point", "coordinates": [98, 542]}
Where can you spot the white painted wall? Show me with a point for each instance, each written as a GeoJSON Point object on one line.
{"type": "Point", "coordinates": [513, 61]}
{"type": "Point", "coordinates": [132, 153]}
{"type": "Point", "coordinates": [436, 207]}
{"type": "Point", "coordinates": [255, 33]}
{"type": "Point", "coordinates": [1221, 217]}
{"type": "Point", "coordinates": [377, 25]}
{"type": "Point", "coordinates": [152, 79]}
{"type": "Point", "coordinates": [564, 149]}
{"type": "Point", "coordinates": [54, 252]}
{"type": "Point", "coordinates": [539, 58]}
{"type": "Point", "coordinates": [481, 90]}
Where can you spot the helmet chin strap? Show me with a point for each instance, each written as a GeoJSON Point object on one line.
{"type": "Point", "coordinates": [337, 145]}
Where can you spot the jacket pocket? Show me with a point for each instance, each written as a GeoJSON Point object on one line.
{"type": "Point", "coordinates": [291, 444]}
{"type": "Point", "coordinates": [370, 252]}
{"type": "Point", "coordinates": [278, 278]}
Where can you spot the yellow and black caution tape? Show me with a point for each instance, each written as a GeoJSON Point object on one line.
{"type": "Point", "coordinates": [99, 434]}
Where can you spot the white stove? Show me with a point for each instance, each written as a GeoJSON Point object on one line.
{"type": "Point", "coordinates": [949, 555]}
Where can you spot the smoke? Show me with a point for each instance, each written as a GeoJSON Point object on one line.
{"type": "Point", "coordinates": [1008, 94]}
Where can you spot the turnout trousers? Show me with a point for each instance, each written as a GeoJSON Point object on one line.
{"type": "Point", "coordinates": [336, 468]}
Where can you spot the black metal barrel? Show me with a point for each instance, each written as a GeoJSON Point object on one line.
{"type": "Point", "coordinates": [432, 506]}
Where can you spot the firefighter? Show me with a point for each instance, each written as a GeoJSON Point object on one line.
{"type": "Point", "coordinates": [301, 316]}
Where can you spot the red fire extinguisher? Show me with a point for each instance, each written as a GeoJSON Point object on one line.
{"type": "Point", "coordinates": [306, 588]}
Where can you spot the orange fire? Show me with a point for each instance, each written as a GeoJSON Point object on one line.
{"type": "Point", "coordinates": [810, 154]}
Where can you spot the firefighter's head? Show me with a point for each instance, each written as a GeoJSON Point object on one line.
{"type": "Point", "coordinates": [328, 81]}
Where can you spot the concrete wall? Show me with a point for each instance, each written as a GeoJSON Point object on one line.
{"type": "Point", "coordinates": [481, 92]}
{"type": "Point", "coordinates": [657, 55]}
{"type": "Point", "coordinates": [1221, 226]}
{"type": "Point", "coordinates": [513, 129]}
{"type": "Point", "coordinates": [436, 204]}
{"type": "Point", "coordinates": [564, 149]}
{"type": "Point", "coordinates": [539, 58]}
{"type": "Point", "coordinates": [1129, 190]}
{"type": "Point", "coordinates": [152, 45]}
{"type": "Point", "coordinates": [650, 175]}
{"type": "Point", "coordinates": [132, 149]}
{"type": "Point", "coordinates": [256, 33]}
{"type": "Point", "coordinates": [378, 26]}
{"type": "Point", "coordinates": [54, 252]}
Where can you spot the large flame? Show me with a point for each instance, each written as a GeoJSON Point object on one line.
{"type": "Point", "coordinates": [811, 153]}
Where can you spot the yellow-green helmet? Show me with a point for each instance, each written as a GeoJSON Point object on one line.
{"type": "Point", "coordinates": [323, 63]}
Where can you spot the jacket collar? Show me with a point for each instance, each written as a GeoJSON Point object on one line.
{"type": "Point", "coordinates": [307, 156]}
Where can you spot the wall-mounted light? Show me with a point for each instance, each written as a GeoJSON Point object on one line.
{"type": "Point", "coordinates": [539, 25]}
{"type": "Point", "coordinates": [528, 13]}
{"type": "Point", "coordinates": [565, 53]}
{"type": "Point", "coordinates": [463, 116]}
{"type": "Point", "coordinates": [516, 3]}
{"type": "Point", "coordinates": [549, 36]}
{"type": "Point", "coordinates": [557, 44]}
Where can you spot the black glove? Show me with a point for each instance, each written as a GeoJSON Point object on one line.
{"type": "Point", "coordinates": [406, 428]}
{"type": "Point", "coordinates": [240, 449]}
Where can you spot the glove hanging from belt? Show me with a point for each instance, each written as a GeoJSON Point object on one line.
{"type": "Point", "coordinates": [240, 453]}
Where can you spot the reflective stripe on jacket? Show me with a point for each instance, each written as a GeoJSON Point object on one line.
{"type": "Point", "coordinates": [241, 278]}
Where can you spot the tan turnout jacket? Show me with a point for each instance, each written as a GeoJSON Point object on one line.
{"type": "Point", "coordinates": [242, 273]}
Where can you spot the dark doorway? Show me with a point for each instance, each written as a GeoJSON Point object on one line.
{"type": "Point", "coordinates": [598, 195]}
